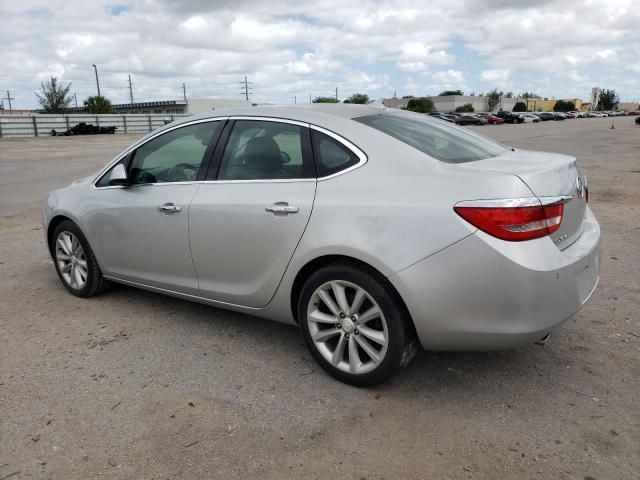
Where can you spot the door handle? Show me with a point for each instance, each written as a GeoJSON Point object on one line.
{"type": "Point", "coordinates": [170, 208]}
{"type": "Point", "coordinates": [282, 208]}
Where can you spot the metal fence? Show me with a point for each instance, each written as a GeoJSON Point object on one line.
{"type": "Point", "coordinates": [42, 125]}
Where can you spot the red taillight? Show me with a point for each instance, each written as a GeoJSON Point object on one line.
{"type": "Point", "coordinates": [515, 223]}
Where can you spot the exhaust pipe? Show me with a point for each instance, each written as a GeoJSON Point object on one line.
{"type": "Point", "coordinates": [544, 339]}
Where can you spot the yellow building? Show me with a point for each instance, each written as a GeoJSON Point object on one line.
{"type": "Point", "coordinates": [539, 105]}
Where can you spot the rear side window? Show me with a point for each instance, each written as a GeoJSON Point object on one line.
{"type": "Point", "coordinates": [434, 137]}
{"type": "Point", "coordinates": [331, 156]}
{"type": "Point", "coordinates": [264, 150]}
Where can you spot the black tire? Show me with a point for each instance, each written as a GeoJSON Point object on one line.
{"type": "Point", "coordinates": [402, 343]}
{"type": "Point", "coordinates": [95, 283]}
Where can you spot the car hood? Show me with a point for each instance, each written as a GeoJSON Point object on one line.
{"type": "Point", "coordinates": [82, 181]}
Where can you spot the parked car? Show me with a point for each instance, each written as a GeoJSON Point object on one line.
{"type": "Point", "coordinates": [546, 116]}
{"type": "Point", "coordinates": [375, 231]}
{"type": "Point", "coordinates": [569, 115]}
{"type": "Point", "coordinates": [634, 112]}
{"type": "Point", "coordinates": [470, 120]}
{"type": "Point", "coordinates": [441, 116]}
{"type": "Point", "coordinates": [530, 118]}
{"type": "Point", "coordinates": [581, 114]}
{"type": "Point", "coordinates": [494, 120]}
{"type": "Point", "coordinates": [83, 128]}
{"type": "Point", "coordinates": [596, 114]}
{"type": "Point", "coordinates": [510, 117]}
{"type": "Point", "coordinates": [558, 116]}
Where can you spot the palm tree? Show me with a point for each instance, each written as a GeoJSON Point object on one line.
{"type": "Point", "coordinates": [54, 98]}
{"type": "Point", "coordinates": [98, 104]}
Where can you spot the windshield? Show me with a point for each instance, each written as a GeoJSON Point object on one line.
{"type": "Point", "coordinates": [434, 137]}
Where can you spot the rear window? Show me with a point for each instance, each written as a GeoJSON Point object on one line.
{"type": "Point", "coordinates": [434, 137]}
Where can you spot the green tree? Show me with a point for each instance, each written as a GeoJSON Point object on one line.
{"type": "Point", "coordinates": [408, 96]}
{"type": "Point", "coordinates": [608, 100]}
{"type": "Point", "coordinates": [54, 97]}
{"type": "Point", "coordinates": [466, 108]}
{"type": "Point", "coordinates": [358, 98]}
{"type": "Point", "coordinates": [451, 92]}
{"type": "Point", "coordinates": [493, 99]}
{"type": "Point", "coordinates": [520, 107]}
{"type": "Point", "coordinates": [564, 106]}
{"type": "Point", "coordinates": [421, 105]}
{"type": "Point", "coordinates": [508, 95]}
{"type": "Point", "coordinates": [325, 100]}
{"type": "Point", "coordinates": [98, 104]}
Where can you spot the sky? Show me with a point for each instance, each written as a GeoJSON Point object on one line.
{"type": "Point", "coordinates": [291, 49]}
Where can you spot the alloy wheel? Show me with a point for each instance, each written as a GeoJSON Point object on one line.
{"type": "Point", "coordinates": [71, 260]}
{"type": "Point", "coordinates": [347, 327]}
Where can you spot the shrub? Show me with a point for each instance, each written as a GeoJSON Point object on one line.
{"type": "Point", "coordinates": [421, 105]}
{"type": "Point", "coordinates": [466, 108]}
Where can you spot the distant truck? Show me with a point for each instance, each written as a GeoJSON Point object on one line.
{"type": "Point", "coordinates": [84, 129]}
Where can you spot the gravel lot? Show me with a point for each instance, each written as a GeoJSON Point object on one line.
{"type": "Point", "coordinates": [138, 385]}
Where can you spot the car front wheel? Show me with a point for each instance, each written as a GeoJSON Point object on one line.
{"type": "Point", "coordinates": [354, 326]}
{"type": "Point", "coordinates": [75, 262]}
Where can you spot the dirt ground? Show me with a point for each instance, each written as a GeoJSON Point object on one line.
{"type": "Point", "coordinates": [135, 385]}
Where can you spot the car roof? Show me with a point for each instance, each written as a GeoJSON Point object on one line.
{"type": "Point", "coordinates": [321, 114]}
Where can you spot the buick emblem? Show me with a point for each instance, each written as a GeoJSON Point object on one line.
{"type": "Point", "coordinates": [579, 187]}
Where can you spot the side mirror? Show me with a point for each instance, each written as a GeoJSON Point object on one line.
{"type": "Point", "coordinates": [118, 176]}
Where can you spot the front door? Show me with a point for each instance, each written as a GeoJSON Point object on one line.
{"type": "Point", "coordinates": [244, 226]}
{"type": "Point", "coordinates": [144, 227]}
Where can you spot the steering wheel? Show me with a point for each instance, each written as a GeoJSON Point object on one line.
{"type": "Point", "coordinates": [182, 172]}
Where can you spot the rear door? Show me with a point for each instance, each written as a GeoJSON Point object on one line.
{"type": "Point", "coordinates": [246, 221]}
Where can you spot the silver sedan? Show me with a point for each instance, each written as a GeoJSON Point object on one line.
{"type": "Point", "coordinates": [375, 231]}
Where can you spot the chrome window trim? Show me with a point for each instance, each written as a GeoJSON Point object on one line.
{"type": "Point", "coordinates": [362, 157]}
{"type": "Point", "coordinates": [141, 142]}
{"type": "Point", "coordinates": [515, 202]}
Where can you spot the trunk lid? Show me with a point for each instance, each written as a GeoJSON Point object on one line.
{"type": "Point", "coordinates": [547, 175]}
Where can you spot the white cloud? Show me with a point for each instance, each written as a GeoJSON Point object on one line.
{"type": "Point", "coordinates": [499, 77]}
{"type": "Point", "coordinates": [449, 77]}
{"type": "Point", "coordinates": [292, 47]}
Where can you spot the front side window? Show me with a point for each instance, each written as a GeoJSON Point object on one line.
{"type": "Point", "coordinates": [264, 150]}
{"type": "Point", "coordinates": [434, 137]}
{"type": "Point", "coordinates": [174, 156]}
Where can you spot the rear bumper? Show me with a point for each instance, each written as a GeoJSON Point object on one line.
{"type": "Point", "coordinates": [487, 294]}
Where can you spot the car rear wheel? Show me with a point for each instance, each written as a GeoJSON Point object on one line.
{"type": "Point", "coordinates": [75, 262]}
{"type": "Point", "coordinates": [354, 326]}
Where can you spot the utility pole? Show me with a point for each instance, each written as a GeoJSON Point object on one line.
{"type": "Point", "coordinates": [97, 81]}
{"type": "Point", "coordinates": [184, 91]}
{"type": "Point", "coordinates": [130, 90]}
{"type": "Point", "coordinates": [336, 94]}
{"type": "Point", "coordinates": [295, 99]}
{"type": "Point", "coordinates": [9, 98]}
{"type": "Point", "coordinates": [75, 97]}
{"type": "Point", "coordinates": [310, 98]}
{"type": "Point", "coordinates": [245, 89]}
